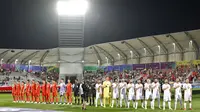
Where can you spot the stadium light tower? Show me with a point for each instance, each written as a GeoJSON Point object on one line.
{"type": "Point", "coordinates": [72, 7]}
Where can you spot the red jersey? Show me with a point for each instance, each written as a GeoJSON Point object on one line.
{"type": "Point", "coordinates": [28, 88]}
{"type": "Point", "coordinates": [14, 89]}
{"type": "Point", "coordinates": [48, 88]}
{"type": "Point", "coordinates": [43, 89]}
{"type": "Point", "coordinates": [22, 88]}
{"type": "Point", "coordinates": [54, 88]}
{"type": "Point", "coordinates": [69, 87]}
{"type": "Point", "coordinates": [18, 88]}
{"type": "Point", "coordinates": [37, 89]}
{"type": "Point", "coordinates": [33, 87]}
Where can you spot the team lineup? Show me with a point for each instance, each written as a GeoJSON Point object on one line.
{"type": "Point", "coordinates": [115, 94]}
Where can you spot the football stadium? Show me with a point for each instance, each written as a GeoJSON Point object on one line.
{"type": "Point", "coordinates": [94, 62]}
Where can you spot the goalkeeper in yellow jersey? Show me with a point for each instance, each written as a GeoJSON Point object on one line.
{"type": "Point", "coordinates": [106, 91]}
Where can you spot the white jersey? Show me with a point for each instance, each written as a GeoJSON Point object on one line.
{"type": "Point", "coordinates": [187, 88]}
{"type": "Point", "coordinates": [178, 89]}
{"type": "Point", "coordinates": [187, 92]}
{"type": "Point", "coordinates": [147, 87]}
{"type": "Point", "coordinates": [140, 88]}
{"type": "Point", "coordinates": [131, 88]}
{"type": "Point", "coordinates": [98, 89]}
{"type": "Point", "coordinates": [166, 91]}
{"type": "Point", "coordinates": [115, 88]}
{"type": "Point", "coordinates": [156, 91]}
{"type": "Point", "coordinates": [123, 86]}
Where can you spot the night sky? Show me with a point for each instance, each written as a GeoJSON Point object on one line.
{"type": "Point", "coordinates": [32, 24]}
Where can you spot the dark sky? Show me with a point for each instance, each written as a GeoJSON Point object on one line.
{"type": "Point", "coordinates": [32, 24]}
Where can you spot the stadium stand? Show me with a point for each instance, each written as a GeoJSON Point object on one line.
{"type": "Point", "coordinates": [140, 58]}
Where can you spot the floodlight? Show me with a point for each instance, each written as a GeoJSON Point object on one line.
{"type": "Point", "coordinates": [72, 7]}
{"type": "Point", "coordinates": [173, 44]}
{"type": "Point", "coordinates": [158, 46]}
{"type": "Point", "coordinates": [16, 60]}
{"type": "Point", "coordinates": [83, 61]}
{"type": "Point", "coordinates": [131, 52]}
{"type": "Point", "coordinates": [2, 59]}
{"type": "Point", "coordinates": [118, 54]}
{"type": "Point", "coordinates": [106, 58]}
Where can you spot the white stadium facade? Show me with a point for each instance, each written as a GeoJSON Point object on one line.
{"type": "Point", "coordinates": [158, 48]}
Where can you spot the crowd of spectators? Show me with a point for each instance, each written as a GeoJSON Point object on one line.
{"type": "Point", "coordinates": [181, 72]}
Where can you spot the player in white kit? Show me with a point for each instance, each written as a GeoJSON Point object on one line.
{"type": "Point", "coordinates": [148, 93]}
{"type": "Point", "coordinates": [156, 93]}
{"type": "Point", "coordinates": [139, 93]}
{"type": "Point", "coordinates": [178, 95]}
{"type": "Point", "coordinates": [123, 87]}
{"type": "Point", "coordinates": [115, 90]}
{"type": "Point", "coordinates": [187, 87]}
{"type": "Point", "coordinates": [131, 93]}
{"type": "Point", "coordinates": [167, 94]}
{"type": "Point", "coordinates": [98, 88]}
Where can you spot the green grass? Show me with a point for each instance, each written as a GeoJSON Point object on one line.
{"type": "Point", "coordinates": [6, 101]}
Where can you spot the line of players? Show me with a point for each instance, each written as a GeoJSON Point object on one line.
{"type": "Point", "coordinates": [120, 92]}
{"type": "Point", "coordinates": [148, 92]}
{"type": "Point", "coordinates": [31, 92]}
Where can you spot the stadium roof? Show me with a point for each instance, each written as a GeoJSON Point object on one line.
{"type": "Point", "coordinates": [110, 50]}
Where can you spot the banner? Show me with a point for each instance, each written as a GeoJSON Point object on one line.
{"type": "Point", "coordinates": [24, 67]}
{"type": "Point", "coordinates": [9, 67]}
{"type": "Point", "coordinates": [138, 66]}
{"type": "Point", "coordinates": [101, 68]}
{"type": "Point", "coordinates": [182, 63]}
{"type": "Point", "coordinates": [168, 65]}
{"type": "Point", "coordinates": [153, 66]}
{"type": "Point", "coordinates": [36, 68]}
{"type": "Point", "coordinates": [53, 69]}
{"type": "Point", "coordinates": [196, 62]}
{"type": "Point", "coordinates": [90, 68]}
{"type": "Point", "coordinates": [126, 67]}
{"type": "Point", "coordinates": [116, 68]}
{"type": "Point", "coordinates": [196, 85]}
{"type": "Point", "coordinates": [109, 68]}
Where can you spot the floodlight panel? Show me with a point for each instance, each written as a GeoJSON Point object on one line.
{"type": "Point", "coordinates": [72, 7]}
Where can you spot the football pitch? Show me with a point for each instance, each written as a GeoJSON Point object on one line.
{"type": "Point", "coordinates": [6, 101]}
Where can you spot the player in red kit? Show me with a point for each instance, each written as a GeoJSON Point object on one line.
{"type": "Point", "coordinates": [18, 90]}
{"type": "Point", "coordinates": [22, 91]}
{"type": "Point", "coordinates": [48, 91]}
{"type": "Point", "coordinates": [37, 92]}
{"type": "Point", "coordinates": [54, 92]}
{"type": "Point", "coordinates": [33, 88]}
{"type": "Point", "coordinates": [14, 91]}
{"type": "Point", "coordinates": [69, 92]}
{"type": "Point", "coordinates": [43, 91]}
{"type": "Point", "coordinates": [28, 91]}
